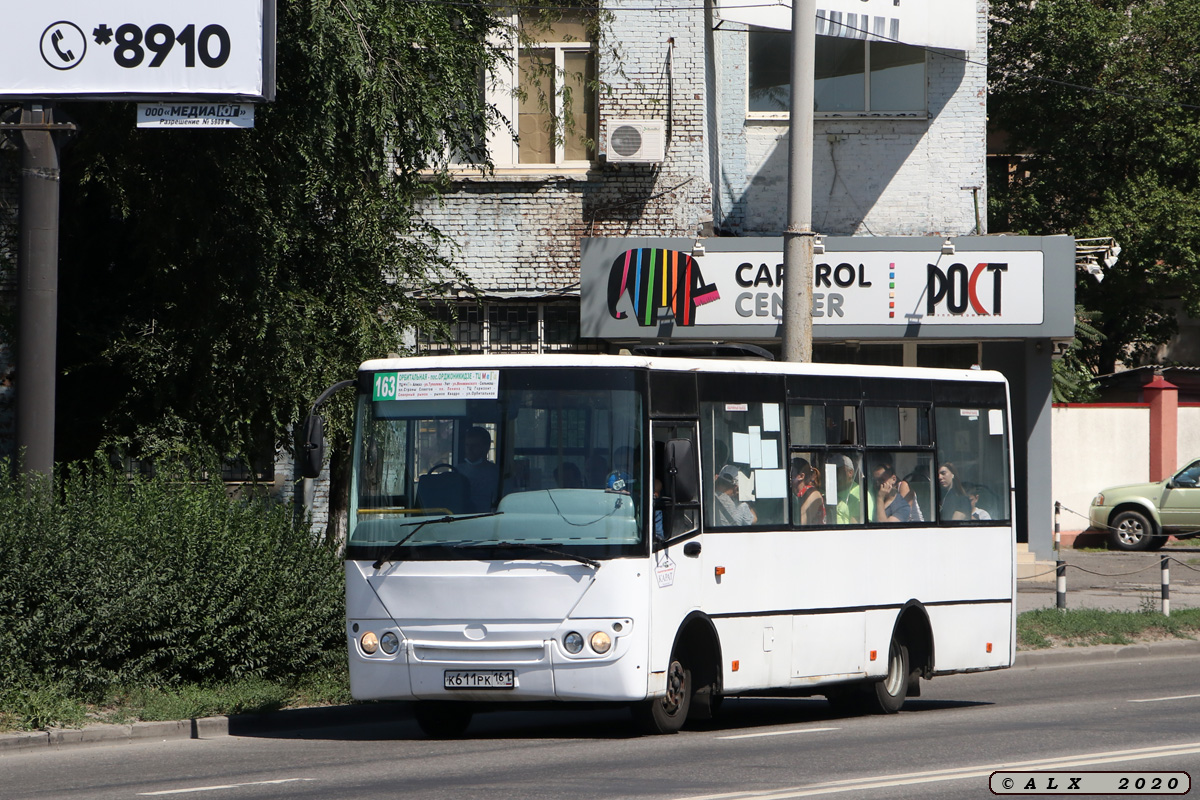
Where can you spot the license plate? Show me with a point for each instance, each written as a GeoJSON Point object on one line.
{"type": "Point", "coordinates": [476, 679]}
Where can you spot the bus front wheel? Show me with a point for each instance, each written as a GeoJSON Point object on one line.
{"type": "Point", "coordinates": [888, 694]}
{"type": "Point", "coordinates": [667, 714]}
{"type": "Point", "coordinates": [442, 720]}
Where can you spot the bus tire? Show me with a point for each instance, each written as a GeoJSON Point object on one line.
{"type": "Point", "coordinates": [442, 719]}
{"type": "Point", "coordinates": [887, 696]}
{"type": "Point", "coordinates": [667, 714]}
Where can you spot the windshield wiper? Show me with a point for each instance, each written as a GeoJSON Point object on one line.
{"type": "Point", "coordinates": [591, 562]}
{"type": "Point", "coordinates": [395, 549]}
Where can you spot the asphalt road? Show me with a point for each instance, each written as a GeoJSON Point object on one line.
{"type": "Point", "coordinates": [1120, 715]}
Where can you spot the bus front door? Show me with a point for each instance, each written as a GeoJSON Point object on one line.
{"type": "Point", "coordinates": [677, 554]}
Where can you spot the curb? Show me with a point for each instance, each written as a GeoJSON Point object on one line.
{"type": "Point", "coordinates": [295, 719]}
{"type": "Point", "coordinates": [1062, 656]}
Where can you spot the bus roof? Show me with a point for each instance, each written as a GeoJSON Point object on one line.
{"type": "Point", "coordinates": [553, 360]}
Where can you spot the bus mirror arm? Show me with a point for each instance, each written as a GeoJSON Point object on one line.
{"type": "Point", "coordinates": [310, 447]}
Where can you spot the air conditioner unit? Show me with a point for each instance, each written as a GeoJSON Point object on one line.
{"type": "Point", "coordinates": [636, 141]}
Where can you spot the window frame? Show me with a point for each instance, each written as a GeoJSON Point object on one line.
{"type": "Point", "coordinates": [502, 90]}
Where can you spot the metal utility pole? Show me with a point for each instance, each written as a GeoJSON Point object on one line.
{"type": "Point", "coordinates": [37, 287]}
{"type": "Point", "coordinates": [798, 238]}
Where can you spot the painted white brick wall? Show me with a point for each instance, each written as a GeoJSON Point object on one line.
{"type": "Point", "coordinates": [523, 234]}
{"type": "Point", "coordinates": [870, 176]}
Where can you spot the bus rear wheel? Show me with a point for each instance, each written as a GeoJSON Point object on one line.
{"type": "Point", "coordinates": [442, 720]}
{"type": "Point", "coordinates": [667, 714]}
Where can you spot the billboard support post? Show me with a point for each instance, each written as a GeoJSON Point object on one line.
{"type": "Point", "coordinates": [37, 287]}
{"type": "Point", "coordinates": [798, 238]}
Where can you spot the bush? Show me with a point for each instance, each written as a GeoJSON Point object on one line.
{"type": "Point", "coordinates": [158, 582]}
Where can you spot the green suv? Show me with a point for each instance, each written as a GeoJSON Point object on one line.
{"type": "Point", "coordinates": [1141, 516]}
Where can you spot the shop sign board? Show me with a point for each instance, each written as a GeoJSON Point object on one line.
{"type": "Point", "coordinates": [637, 292]}
{"type": "Point", "coordinates": [138, 49]}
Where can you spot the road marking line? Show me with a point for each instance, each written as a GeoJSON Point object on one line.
{"type": "Point", "coordinates": [956, 774]}
{"type": "Point", "coordinates": [777, 733]}
{"type": "Point", "coordinates": [224, 786]}
{"type": "Point", "coordinates": [1160, 699]}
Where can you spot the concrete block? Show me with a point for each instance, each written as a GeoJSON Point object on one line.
{"type": "Point", "coordinates": [175, 729]}
{"type": "Point", "coordinates": [16, 742]}
{"type": "Point", "coordinates": [210, 727]}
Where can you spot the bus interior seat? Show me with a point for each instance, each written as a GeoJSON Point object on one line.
{"type": "Point", "coordinates": [448, 490]}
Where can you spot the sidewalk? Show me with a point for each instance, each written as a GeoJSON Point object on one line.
{"type": "Point", "coordinates": [1118, 581]}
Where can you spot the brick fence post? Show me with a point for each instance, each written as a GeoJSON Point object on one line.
{"type": "Point", "coordinates": [1163, 398]}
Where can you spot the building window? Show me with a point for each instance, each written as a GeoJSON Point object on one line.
{"type": "Point", "coordinates": [504, 328]}
{"type": "Point", "coordinates": [546, 94]}
{"type": "Point", "coordinates": [852, 76]}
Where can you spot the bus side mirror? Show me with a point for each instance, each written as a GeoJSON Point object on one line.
{"type": "Point", "coordinates": [682, 471]}
{"type": "Point", "coordinates": [310, 447]}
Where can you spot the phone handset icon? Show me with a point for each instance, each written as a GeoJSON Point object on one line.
{"type": "Point", "coordinates": [55, 38]}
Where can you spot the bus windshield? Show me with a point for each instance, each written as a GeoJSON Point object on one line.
{"type": "Point", "coordinates": [499, 458]}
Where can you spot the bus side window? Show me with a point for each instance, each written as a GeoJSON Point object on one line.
{"type": "Point", "coordinates": [972, 458]}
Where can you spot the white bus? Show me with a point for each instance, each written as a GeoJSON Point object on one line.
{"type": "Point", "coordinates": [666, 532]}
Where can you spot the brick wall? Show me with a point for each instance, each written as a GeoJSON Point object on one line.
{"type": "Point", "coordinates": [522, 232]}
{"type": "Point", "coordinates": [870, 176]}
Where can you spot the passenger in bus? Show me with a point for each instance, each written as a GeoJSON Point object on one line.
{"type": "Point", "coordinates": [884, 479]}
{"type": "Point", "coordinates": [955, 503]}
{"type": "Point", "coordinates": [806, 488]}
{"type": "Point", "coordinates": [888, 502]}
{"type": "Point", "coordinates": [973, 496]}
{"type": "Point", "coordinates": [729, 511]}
{"type": "Point", "coordinates": [848, 488]}
{"type": "Point", "coordinates": [483, 475]}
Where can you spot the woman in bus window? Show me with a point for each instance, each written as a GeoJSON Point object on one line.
{"type": "Point", "coordinates": [955, 503]}
{"type": "Point", "coordinates": [806, 487]}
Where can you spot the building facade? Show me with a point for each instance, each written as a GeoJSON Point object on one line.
{"type": "Point", "coordinates": [703, 90]}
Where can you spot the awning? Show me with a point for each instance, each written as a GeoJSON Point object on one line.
{"type": "Point", "coordinates": [948, 24]}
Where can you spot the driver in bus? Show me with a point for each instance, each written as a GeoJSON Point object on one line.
{"type": "Point", "coordinates": [482, 474]}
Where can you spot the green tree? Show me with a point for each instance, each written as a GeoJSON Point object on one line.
{"type": "Point", "coordinates": [1103, 100]}
{"type": "Point", "coordinates": [214, 282]}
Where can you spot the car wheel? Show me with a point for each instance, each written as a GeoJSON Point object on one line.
{"type": "Point", "coordinates": [1131, 531]}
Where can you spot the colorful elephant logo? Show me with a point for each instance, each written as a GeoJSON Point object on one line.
{"type": "Point", "coordinates": [656, 279]}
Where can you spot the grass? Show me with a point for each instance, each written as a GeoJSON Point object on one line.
{"type": "Point", "coordinates": [1050, 627]}
{"type": "Point", "coordinates": [53, 705]}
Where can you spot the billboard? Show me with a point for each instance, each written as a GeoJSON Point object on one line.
{"type": "Point", "coordinates": [139, 49]}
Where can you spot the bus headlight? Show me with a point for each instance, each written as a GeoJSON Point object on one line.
{"type": "Point", "coordinates": [390, 643]}
{"type": "Point", "coordinates": [573, 642]}
{"type": "Point", "coordinates": [369, 643]}
{"type": "Point", "coordinates": [601, 642]}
